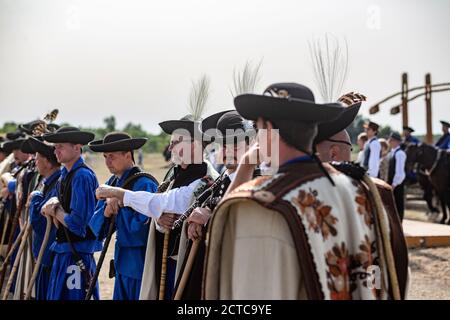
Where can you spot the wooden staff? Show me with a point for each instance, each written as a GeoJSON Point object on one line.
{"type": "Point", "coordinates": [385, 237]}
{"type": "Point", "coordinates": [48, 229]}
{"type": "Point", "coordinates": [3, 215]}
{"type": "Point", "coordinates": [13, 248]}
{"type": "Point", "coordinates": [27, 228]}
{"type": "Point", "coordinates": [100, 260]}
{"type": "Point", "coordinates": [187, 269]}
{"type": "Point", "coordinates": [5, 229]}
{"type": "Point", "coordinates": [15, 224]}
{"type": "Point", "coordinates": [162, 283]}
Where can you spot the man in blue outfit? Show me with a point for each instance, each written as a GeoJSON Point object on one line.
{"type": "Point", "coordinates": [408, 137]}
{"type": "Point", "coordinates": [131, 226]}
{"type": "Point", "coordinates": [49, 168]}
{"type": "Point", "coordinates": [73, 250]}
{"type": "Point", "coordinates": [444, 140]}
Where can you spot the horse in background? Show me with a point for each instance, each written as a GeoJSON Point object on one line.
{"type": "Point", "coordinates": [436, 164]}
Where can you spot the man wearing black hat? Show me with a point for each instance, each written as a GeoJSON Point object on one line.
{"type": "Point", "coordinates": [16, 172]}
{"type": "Point", "coordinates": [233, 134]}
{"type": "Point", "coordinates": [396, 172]}
{"type": "Point", "coordinates": [297, 234]}
{"type": "Point", "coordinates": [13, 146]}
{"type": "Point", "coordinates": [26, 180]}
{"type": "Point", "coordinates": [75, 244]}
{"type": "Point", "coordinates": [408, 137]}
{"type": "Point", "coordinates": [131, 226]}
{"type": "Point", "coordinates": [48, 167]}
{"type": "Point", "coordinates": [183, 181]}
{"type": "Point", "coordinates": [372, 149]}
{"type": "Point", "coordinates": [3, 153]}
{"type": "Point", "coordinates": [444, 140]}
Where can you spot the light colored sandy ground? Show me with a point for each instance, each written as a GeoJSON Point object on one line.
{"type": "Point", "coordinates": [430, 267]}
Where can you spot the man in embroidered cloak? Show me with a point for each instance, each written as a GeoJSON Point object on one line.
{"type": "Point", "coordinates": [307, 232]}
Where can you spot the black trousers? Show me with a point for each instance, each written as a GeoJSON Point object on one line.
{"type": "Point", "coordinates": [399, 192]}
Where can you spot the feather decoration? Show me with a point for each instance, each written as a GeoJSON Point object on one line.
{"type": "Point", "coordinates": [330, 64]}
{"type": "Point", "coordinates": [246, 80]}
{"type": "Point", "coordinates": [351, 98]}
{"type": "Point", "coordinates": [40, 129]}
{"type": "Point", "coordinates": [199, 97]}
{"type": "Point", "coordinates": [51, 116]}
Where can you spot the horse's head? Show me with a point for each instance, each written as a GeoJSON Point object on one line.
{"type": "Point", "coordinates": [413, 154]}
{"type": "Point", "coordinates": [419, 153]}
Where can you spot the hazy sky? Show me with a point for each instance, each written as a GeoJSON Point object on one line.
{"type": "Point", "coordinates": [136, 59]}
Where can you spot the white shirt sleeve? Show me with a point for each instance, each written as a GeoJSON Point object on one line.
{"type": "Point", "coordinates": [399, 176]}
{"type": "Point", "coordinates": [360, 158]}
{"type": "Point", "coordinates": [374, 159]}
{"type": "Point", "coordinates": [154, 204]}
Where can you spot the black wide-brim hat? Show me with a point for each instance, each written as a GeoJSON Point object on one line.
{"type": "Point", "coordinates": [445, 123]}
{"type": "Point", "coordinates": [185, 123]}
{"type": "Point", "coordinates": [329, 129]}
{"type": "Point", "coordinates": [36, 144]}
{"type": "Point", "coordinates": [69, 135]}
{"type": "Point", "coordinates": [372, 125]}
{"type": "Point", "coordinates": [286, 101]}
{"type": "Point", "coordinates": [15, 135]}
{"type": "Point", "coordinates": [10, 146]}
{"type": "Point", "coordinates": [406, 128]}
{"type": "Point", "coordinates": [117, 141]}
{"type": "Point", "coordinates": [396, 136]}
{"type": "Point", "coordinates": [217, 127]}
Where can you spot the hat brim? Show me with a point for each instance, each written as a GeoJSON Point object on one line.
{"type": "Point", "coordinates": [396, 138]}
{"type": "Point", "coordinates": [411, 130]}
{"type": "Point", "coordinates": [252, 106]}
{"type": "Point", "coordinates": [75, 137]}
{"type": "Point", "coordinates": [120, 145]}
{"type": "Point", "coordinates": [211, 121]}
{"type": "Point", "coordinates": [10, 146]}
{"type": "Point", "coordinates": [15, 135]}
{"type": "Point", "coordinates": [445, 123]}
{"type": "Point", "coordinates": [35, 145]}
{"type": "Point", "coordinates": [330, 128]}
{"type": "Point", "coordinates": [193, 127]}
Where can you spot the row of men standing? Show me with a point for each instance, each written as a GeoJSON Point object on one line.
{"type": "Point", "coordinates": [80, 222]}
{"type": "Point", "coordinates": [371, 157]}
{"type": "Point", "coordinates": [67, 196]}
{"type": "Point", "coordinates": [154, 261]}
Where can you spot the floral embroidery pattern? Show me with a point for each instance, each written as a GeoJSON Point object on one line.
{"type": "Point", "coordinates": [339, 264]}
{"type": "Point", "coordinates": [317, 214]}
{"type": "Point", "coordinates": [364, 206]}
{"type": "Point", "coordinates": [345, 270]}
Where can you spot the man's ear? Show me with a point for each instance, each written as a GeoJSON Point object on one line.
{"type": "Point", "coordinates": [334, 152]}
{"type": "Point", "coordinates": [79, 146]}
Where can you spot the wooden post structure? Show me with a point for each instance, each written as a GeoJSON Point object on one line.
{"type": "Point", "coordinates": [429, 136]}
{"type": "Point", "coordinates": [405, 99]}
